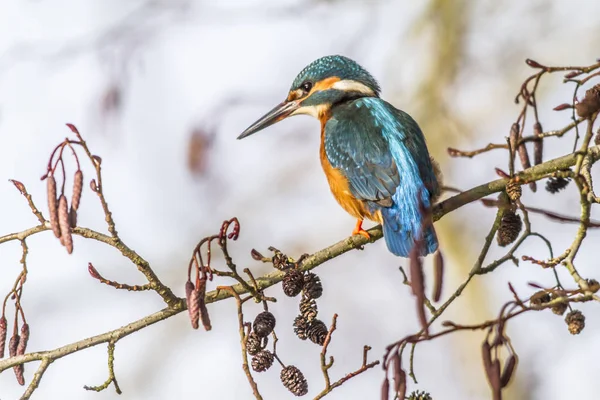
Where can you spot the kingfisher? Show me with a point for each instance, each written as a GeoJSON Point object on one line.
{"type": "Point", "coordinates": [374, 155]}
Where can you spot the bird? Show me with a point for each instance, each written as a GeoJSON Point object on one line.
{"type": "Point", "coordinates": [374, 156]}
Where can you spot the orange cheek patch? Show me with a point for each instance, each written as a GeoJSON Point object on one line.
{"type": "Point", "coordinates": [324, 84]}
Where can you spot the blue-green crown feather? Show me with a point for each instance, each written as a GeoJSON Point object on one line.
{"type": "Point", "coordinates": [340, 66]}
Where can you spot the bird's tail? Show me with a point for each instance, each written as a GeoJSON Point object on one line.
{"type": "Point", "coordinates": [403, 224]}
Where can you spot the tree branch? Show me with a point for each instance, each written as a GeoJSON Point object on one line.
{"type": "Point", "coordinates": [177, 305]}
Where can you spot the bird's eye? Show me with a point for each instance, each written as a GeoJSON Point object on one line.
{"type": "Point", "coordinates": [306, 86]}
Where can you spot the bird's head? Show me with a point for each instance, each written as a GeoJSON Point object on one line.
{"type": "Point", "coordinates": [322, 84]}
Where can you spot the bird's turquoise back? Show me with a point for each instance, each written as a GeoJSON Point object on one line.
{"type": "Point", "coordinates": [383, 154]}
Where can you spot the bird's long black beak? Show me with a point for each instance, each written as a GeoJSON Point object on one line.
{"type": "Point", "coordinates": [278, 113]}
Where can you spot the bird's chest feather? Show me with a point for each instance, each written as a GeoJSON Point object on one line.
{"type": "Point", "coordinates": [340, 187]}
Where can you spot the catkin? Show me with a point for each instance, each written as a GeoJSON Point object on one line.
{"type": "Point", "coordinates": [53, 205]}
{"type": "Point", "coordinates": [64, 221]}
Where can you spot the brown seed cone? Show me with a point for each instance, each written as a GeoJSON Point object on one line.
{"type": "Point", "coordinates": [308, 308]}
{"type": "Point", "coordinates": [262, 361]}
{"type": "Point", "coordinates": [509, 229]}
{"type": "Point", "coordinates": [539, 298]}
{"type": "Point", "coordinates": [313, 287]}
{"type": "Point", "coordinates": [593, 285]}
{"type": "Point", "coordinates": [317, 332]}
{"type": "Point", "coordinates": [23, 339]}
{"type": "Point", "coordinates": [264, 323]}
{"type": "Point", "coordinates": [301, 327]}
{"type": "Point", "coordinates": [575, 322]}
{"type": "Point", "coordinates": [538, 144]}
{"type": "Point", "coordinates": [418, 395]}
{"type": "Point", "coordinates": [293, 379]}
{"type": "Point", "coordinates": [66, 237]}
{"type": "Point", "coordinates": [53, 205]}
{"type": "Point", "coordinates": [590, 103]}
{"type": "Point", "coordinates": [77, 188]}
{"type": "Point", "coordinates": [192, 297]}
{"type": "Point", "coordinates": [597, 138]}
{"type": "Point", "coordinates": [559, 309]}
{"type": "Point", "coordinates": [513, 190]}
{"type": "Point", "coordinates": [254, 343]}
{"type": "Point", "coordinates": [281, 261]}
{"type": "Point", "coordinates": [293, 281]}
{"type": "Point", "coordinates": [3, 334]}
{"type": "Point", "coordinates": [555, 185]}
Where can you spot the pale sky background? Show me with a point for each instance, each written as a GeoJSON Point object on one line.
{"type": "Point", "coordinates": [217, 66]}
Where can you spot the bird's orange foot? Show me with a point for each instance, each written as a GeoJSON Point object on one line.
{"type": "Point", "coordinates": [358, 230]}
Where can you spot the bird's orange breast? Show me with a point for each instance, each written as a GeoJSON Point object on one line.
{"type": "Point", "coordinates": [340, 187]}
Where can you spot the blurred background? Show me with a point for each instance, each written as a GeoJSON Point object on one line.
{"type": "Point", "coordinates": [161, 89]}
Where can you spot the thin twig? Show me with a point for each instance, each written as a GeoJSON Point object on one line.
{"type": "Point", "coordinates": [111, 372]}
{"type": "Point", "coordinates": [326, 365]}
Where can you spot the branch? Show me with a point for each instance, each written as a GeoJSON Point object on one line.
{"type": "Point", "coordinates": [111, 372]}
{"type": "Point", "coordinates": [177, 305]}
{"type": "Point", "coordinates": [325, 366]}
{"type": "Point", "coordinates": [113, 335]}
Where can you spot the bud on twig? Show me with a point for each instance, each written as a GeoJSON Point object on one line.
{"type": "Point", "coordinates": [256, 255]}
{"type": "Point", "coordinates": [53, 205]}
{"type": "Point", "coordinates": [65, 225]}
{"type": "Point", "coordinates": [573, 74]}
{"type": "Point", "coordinates": [534, 64]}
{"type": "Point", "coordinates": [563, 106]}
{"type": "Point", "coordinates": [20, 187]}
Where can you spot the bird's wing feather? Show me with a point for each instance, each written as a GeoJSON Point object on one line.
{"type": "Point", "coordinates": [362, 155]}
{"type": "Point", "coordinates": [360, 140]}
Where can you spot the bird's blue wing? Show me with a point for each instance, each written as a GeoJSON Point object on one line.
{"type": "Point", "coordinates": [355, 146]}
{"type": "Point", "coordinates": [383, 154]}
